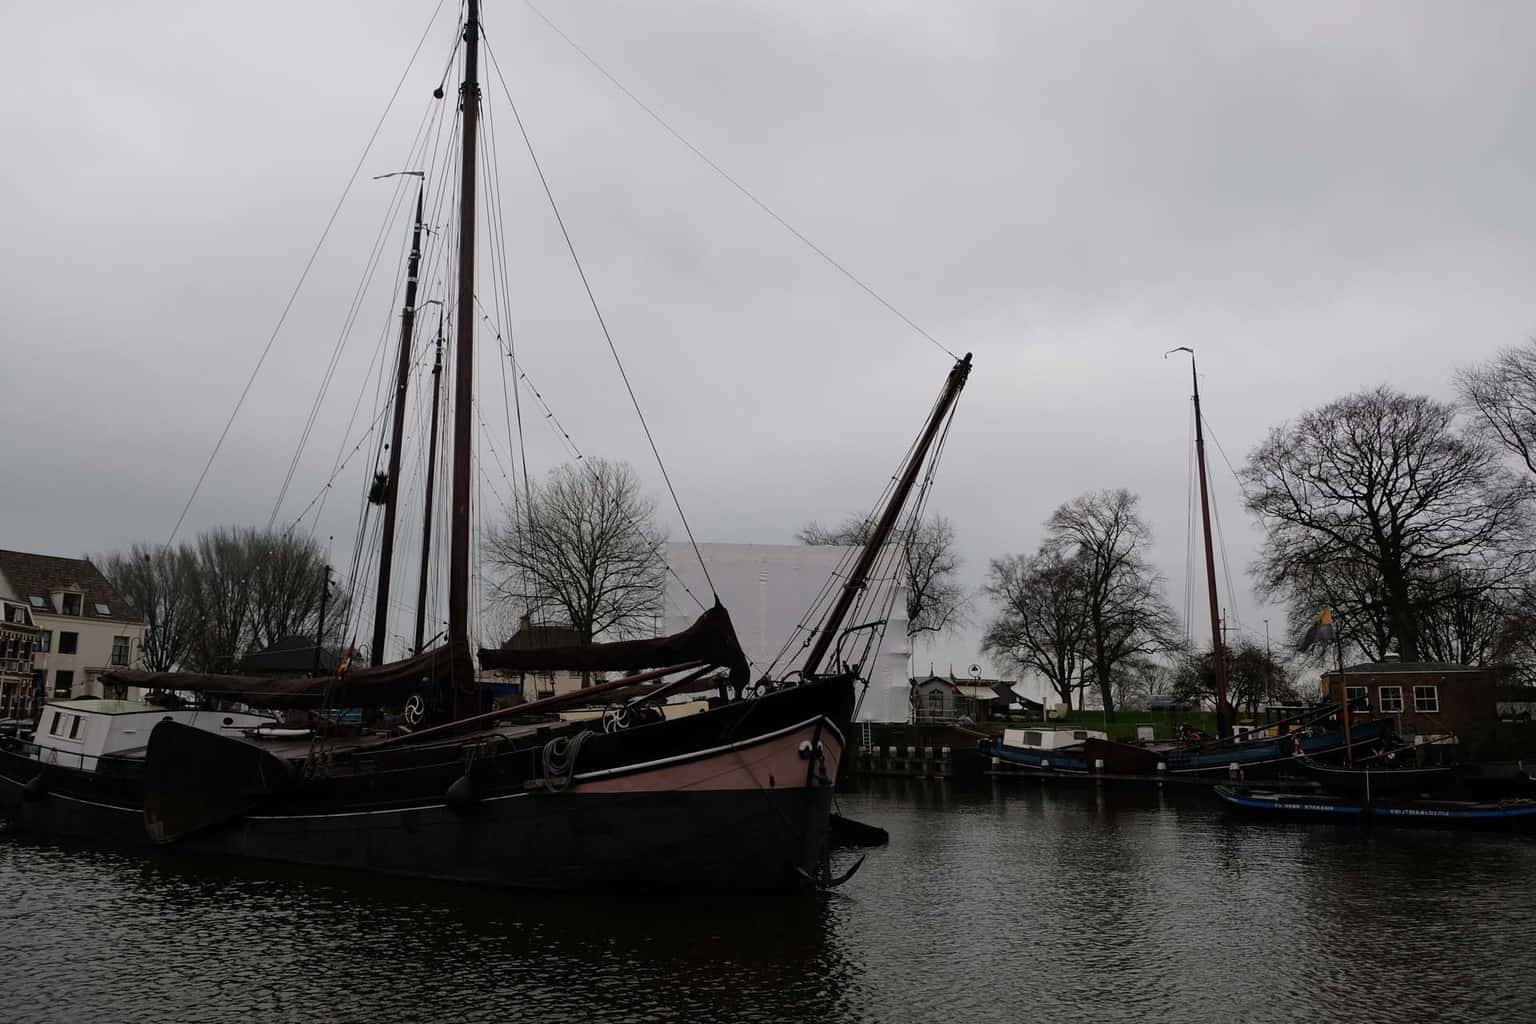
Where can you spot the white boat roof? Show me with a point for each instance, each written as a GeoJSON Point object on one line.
{"type": "Point", "coordinates": [108, 707]}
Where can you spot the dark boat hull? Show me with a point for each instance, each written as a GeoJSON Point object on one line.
{"type": "Point", "coordinates": [1510, 815]}
{"type": "Point", "coordinates": [737, 797]}
{"type": "Point", "coordinates": [1379, 783]}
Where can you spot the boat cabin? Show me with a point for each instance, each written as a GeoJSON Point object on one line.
{"type": "Point", "coordinates": [77, 733]}
{"type": "Point", "coordinates": [1049, 739]}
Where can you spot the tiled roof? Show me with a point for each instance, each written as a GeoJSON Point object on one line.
{"type": "Point", "coordinates": [30, 576]}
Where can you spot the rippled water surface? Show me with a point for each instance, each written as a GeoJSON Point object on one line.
{"type": "Point", "coordinates": [993, 904]}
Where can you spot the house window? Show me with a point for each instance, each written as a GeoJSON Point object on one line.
{"type": "Point", "coordinates": [1359, 699]}
{"type": "Point", "coordinates": [1426, 700]}
{"type": "Point", "coordinates": [936, 704]}
{"type": "Point", "coordinates": [102, 609]}
{"type": "Point", "coordinates": [72, 604]}
{"type": "Point", "coordinates": [114, 691]}
{"type": "Point", "coordinates": [37, 602]}
{"type": "Point", "coordinates": [68, 642]}
{"type": "Point", "coordinates": [1391, 698]}
{"type": "Point", "coordinates": [63, 683]}
{"type": "Point", "coordinates": [120, 650]}
{"type": "Point", "coordinates": [45, 641]}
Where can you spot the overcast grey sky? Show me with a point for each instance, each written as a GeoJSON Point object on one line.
{"type": "Point", "coordinates": [1318, 197]}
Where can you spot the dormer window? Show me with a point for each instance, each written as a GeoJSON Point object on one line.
{"type": "Point", "coordinates": [72, 603]}
{"type": "Point", "coordinates": [102, 609]}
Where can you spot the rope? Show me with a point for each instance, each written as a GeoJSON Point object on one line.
{"type": "Point", "coordinates": [738, 186]}
{"type": "Point", "coordinates": [559, 759]}
{"type": "Point", "coordinates": [581, 271]}
{"type": "Point", "coordinates": [303, 276]}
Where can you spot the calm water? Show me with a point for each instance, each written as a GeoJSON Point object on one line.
{"type": "Point", "coordinates": [1007, 904]}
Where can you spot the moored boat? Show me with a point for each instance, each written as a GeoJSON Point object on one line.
{"type": "Point", "coordinates": [1503, 814]}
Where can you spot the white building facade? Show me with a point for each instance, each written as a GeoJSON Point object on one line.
{"type": "Point", "coordinates": [85, 627]}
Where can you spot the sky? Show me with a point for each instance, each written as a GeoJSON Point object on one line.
{"type": "Point", "coordinates": [1316, 197]}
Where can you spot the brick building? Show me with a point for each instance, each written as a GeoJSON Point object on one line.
{"type": "Point", "coordinates": [1426, 698]}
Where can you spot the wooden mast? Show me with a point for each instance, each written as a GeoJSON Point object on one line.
{"type": "Point", "coordinates": [397, 433]}
{"type": "Point", "coordinates": [464, 348]}
{"type": "Point", "coordinates": [426, 518]}
{"type": "Point", "coordinates": [887, 521]}
{"type": "Point", "coordinates": [1218, 656]}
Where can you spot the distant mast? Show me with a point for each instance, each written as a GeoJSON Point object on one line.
{"type": "Point", "coordinates": [464, 351]}
{"type": "Point", "coordinates": [426, 517]}
{"type": "Point", "coordinates": [397, 433]}
{"type": "Point", "coordinates": [1218, 657]}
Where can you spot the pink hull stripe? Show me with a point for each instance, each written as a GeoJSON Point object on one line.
{"type": "Point", "coordinates": [773, 763]}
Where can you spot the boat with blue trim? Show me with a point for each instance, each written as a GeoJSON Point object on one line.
{"type": "Point", "coordinates": [1518, 814]}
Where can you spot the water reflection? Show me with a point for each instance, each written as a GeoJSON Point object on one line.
{"type": "Point", "coordinates": [1003, 902]}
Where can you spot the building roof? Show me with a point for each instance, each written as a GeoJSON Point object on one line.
{"type": "Point", "coordinates": [34, 579]}
{"type": "Point", "coordinates": [1396, 667]}
{"type": "Point", "coordinates": [290, 654]}
{"type": "Point", "coordinates": [530, 637]}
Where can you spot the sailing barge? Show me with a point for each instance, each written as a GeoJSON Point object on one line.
{"type": "Point", "coordinates": [738, 795]}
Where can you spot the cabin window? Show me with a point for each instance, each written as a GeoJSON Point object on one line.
{"type": "Point", "coordinates": [63, 683]}
{"type": "Point", "coordinates": [1391, 698]}
{"type": "Point", "coordinates": [68, 642]}
{"type": "Point", "coordinates": [45, 641]}
{"type": "Point", "coordinates": [53, 728]}
{"type": "Point", "coordinates": [1080, 734]}
{"type": "Point", "coordinates": [1426, 700]}
{"type": "Point", "coordinates": [74, 727]}
{"type": "Point", "coordinates": [120, 650]}
{"type": "Point", "coordinates": [72, 604]}
{"type": "Point", "coordinates": [1033, 739]}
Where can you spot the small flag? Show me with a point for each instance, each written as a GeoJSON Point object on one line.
{"type": "Point", "coordinates": [1321, 631]}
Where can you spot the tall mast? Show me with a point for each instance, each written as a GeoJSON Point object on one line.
{"type": "Point", "coordinates": [426, 519]}
{"type": "Point", "coordinates": [464, 351]}
{"type": "Point", "coordinates": [1218, 656]}
{"type": "Point", "coordinates": [392, 488]}
{"type": "Point", "coordinates": [887, 521]}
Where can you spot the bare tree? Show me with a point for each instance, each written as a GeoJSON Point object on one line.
{"type": "Point", "coordinates": [1501, 394]}
{"type": "Point", "coordinates": [936, 602]}
{"type": "Point", "coordinates": [158, 581]}
{"type": "Point", "coordinates": [1253, 676]}
{"type": "Point", "coordinates": [1041, 624]}
{"type": "Point", "coordinates": [286, 581]}
{"type": "Point", "coordinates": [232, 590]}
{"type": "Point", "coordinates": [1383, 490]}
{"type": "Point", "coordinates": [1103, 534]}
{"type": "Point", "coordinates": [222, 565]}
{"type": "Point", "coordinates": [587, 548]}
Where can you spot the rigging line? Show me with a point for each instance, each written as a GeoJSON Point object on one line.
{"type": "Point", "coordinates": [570, 444]}
{"type": "Point", "coordinates": [592, 298]}
{"type": "Point", "coordinates": [738, 186]}
{"type": "Point", "coordinates": [1230, 468]}
{"type": "Point", "coordinates": [500, 234]}
{"type": "Point", "coordinates": [303, 276]}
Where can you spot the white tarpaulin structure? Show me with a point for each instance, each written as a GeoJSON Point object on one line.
{"type": "Point", "coordinates": [767, 588]}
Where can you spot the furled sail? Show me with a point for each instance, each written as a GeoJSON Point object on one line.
{"type": "Point", "coordinates": [710, 639]}
{"type": "Point", "coordinates": [379, 686]}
